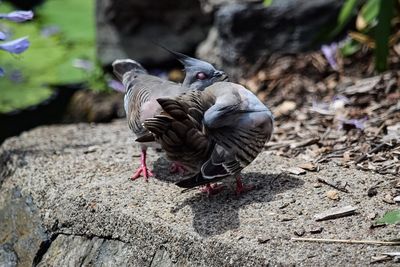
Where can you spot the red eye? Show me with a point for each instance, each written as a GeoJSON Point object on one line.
{"type": "Point", "coordinates": [201, 76]}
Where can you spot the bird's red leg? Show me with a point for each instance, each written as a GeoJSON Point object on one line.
{"type": "Point", "coordinates": [142, 170]}
{"type": "Point", "coordinates": [240, 187]}
{"type": "Point", "coordinates": [177, 167]}
{"type": "Point", "coordinates": [212, 189]}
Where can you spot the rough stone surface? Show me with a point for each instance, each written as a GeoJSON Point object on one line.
{"type": "Point", "coordinates": [127, 28]}
{"type": "Point", "coordinates": [66, 200]}
{"type": "Point", "coordinates": [21, 232]}
{"type": "Point", "coordinates": [213, 5]}
{"type": "Point", "coordinates": [248, 31]}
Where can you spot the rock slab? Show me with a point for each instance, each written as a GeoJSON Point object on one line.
{"type": "Point", "coordinates": [66, 200]}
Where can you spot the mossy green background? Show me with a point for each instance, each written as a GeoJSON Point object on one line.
{"type": "Point", "coordinates": [49, 60]}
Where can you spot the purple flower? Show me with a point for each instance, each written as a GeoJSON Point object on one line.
{"type": "Point", "coordinates": [49, 30]}
{"type": "Point", "coordinates": [330, 108]}
{"type": "Point", "coordinates": [354, 123]}
{"type": "Point", "coordinates": [116, 85]}
{"type": "Point", "coordinates": [18, 16]}
{"type": "Point", "coordinates": [329, 52]}
{"type": "Point", "coordinates": [321, 108]}
{"type": "Point", "coordinates": [16, 76]}
{"type": "Point", "coordinates": [2, 36]}
{"type": "Point", "coordinates": [1, 72]}
{"type": "Point", "coordinates": [342, 98]}
{"type": "Point", "coordinates": [16, 46]}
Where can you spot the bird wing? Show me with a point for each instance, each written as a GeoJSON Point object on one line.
{"type": "Point", "coordinates": [141, 99]}
{"type": "Point", "coordinates": [221, 133]}
{"type": "Point", "coordinates": [180, 132]}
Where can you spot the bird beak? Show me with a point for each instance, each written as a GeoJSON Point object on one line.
{"type": "Point", "coordinates": [221, 75]}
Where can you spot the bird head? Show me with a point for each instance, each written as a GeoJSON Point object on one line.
{"type": "Point", "coordinates": [199, 74]}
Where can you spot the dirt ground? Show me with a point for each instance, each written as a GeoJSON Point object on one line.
{"type": "Point", "coordinates": [350, 116]}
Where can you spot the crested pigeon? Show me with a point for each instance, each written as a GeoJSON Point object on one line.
{"type": "Point", "coordinates": [142, 90]}
{"type": "Point", "coordinates": [215, 133]}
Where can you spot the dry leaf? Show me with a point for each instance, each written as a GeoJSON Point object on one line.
{"type": "Point", "coordinates": [296, 170]}
{"type": "Point", "coordinates": [285, 108]}
{"type": "Point", "coordinates": [309, 166]}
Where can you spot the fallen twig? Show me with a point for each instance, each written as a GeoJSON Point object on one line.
{"type": "Point", "coordinates": [372, 151]}
{"type": "Point", "coordinates": [277, 145]}
{"type": "Point", "coordinates": [335, 213]}
{"type": "Point", "coordinates": [304, 143]}
{"type": "Point", "coordinates": [347, 241]}
{"type": "Point", "coordinates": [340, 188]}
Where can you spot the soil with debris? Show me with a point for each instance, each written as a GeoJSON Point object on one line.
{"type": "Point", "coordinates": [350, 116]}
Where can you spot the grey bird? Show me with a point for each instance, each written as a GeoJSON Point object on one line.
{"type": "Point", "coordinates": [215, 133]}
{"type": "Point", "coordinates": [143, 90]}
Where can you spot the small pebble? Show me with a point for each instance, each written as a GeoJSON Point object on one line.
{"type": "Point", "coordinates": [317, 185]}
{"type": "Point", "coordinates": [388, 198]}
{"type": "Point", "coordinates": [296, 171]}
{"type": "Point", "coordinates": [309, 166]}
{"type": "Point", "coordinates": [373, 191]}
{"type": "Point", "coordinates": [333, 194]}
{"type": "Point", "coordinates": [396, 199]}
{"type": "Point", "coordinates": [372, 215]}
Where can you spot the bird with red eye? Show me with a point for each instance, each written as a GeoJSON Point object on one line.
{"type": "Point", "coordinates": [201, 76]}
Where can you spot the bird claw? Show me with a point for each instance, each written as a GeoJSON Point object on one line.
{"type": "Point", "coordinates": [241, 188]}
{"type": "Point", "coordinates": [177, 167]}
{"type": "Point", "coordinates": [212, 189]}
{"type": "Point", "coordinates": [142, 170]}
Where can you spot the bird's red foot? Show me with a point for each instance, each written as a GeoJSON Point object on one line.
{"type": "Point", "coordinates": [142, 171]}
{"type": "Point", "coordinates": [241, 188]}
{"type": "Point", "coordinates": [177, 167]}
{"type": "Point", "coordinates": [212, 189]}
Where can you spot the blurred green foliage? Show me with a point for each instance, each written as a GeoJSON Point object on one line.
{"type": "Point", "coordinates": [345, 15]}
{"type": "Point", "coordinates": [50, 59]}
{"type": "Point", "coordinates": [373, 27]}
{"type": "Point", "coordinates": [267, 3]}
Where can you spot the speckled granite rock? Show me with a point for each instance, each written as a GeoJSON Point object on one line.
{"type": "Point", "coordinates": [245, 31]}
{"type": "Point", "coordinates": [66, 200]}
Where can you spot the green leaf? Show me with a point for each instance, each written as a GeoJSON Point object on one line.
{"type": "Point", "coordinates": [390, 217]}
{"type": "Point", "coordinates": [350, 47]}
{"type": "Point", "coordinates": [346, 13]}
{"type": "Point", "coordinates": [382, 33]}
{"type": "Point", "coordinates": [267, 3]}
{"type": "Point", "coordinates": [370, 10]}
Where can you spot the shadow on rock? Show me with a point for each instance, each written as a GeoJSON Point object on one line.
{"type": "Point", "coordinates": [161, 168]}
{"type": "Point", "coordinates": [217, 214]}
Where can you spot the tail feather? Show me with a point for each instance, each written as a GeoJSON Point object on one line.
{"type": "Point", "coordinates": [196, 180]}
{"type": "Point", "coordinates": [122, 66]}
